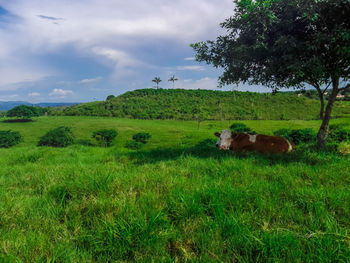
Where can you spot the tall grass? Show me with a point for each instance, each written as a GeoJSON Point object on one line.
{"type": "Point", "coordinates": [176, 200]}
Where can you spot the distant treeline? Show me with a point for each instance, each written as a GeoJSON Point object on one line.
{"type": "Point", "coordinates": [201, 104]}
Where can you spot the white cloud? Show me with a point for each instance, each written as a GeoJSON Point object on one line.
{"type": "Point", "coordinates": [9, 97]}
{"type": "Point", "coordinates": [204, 83]}
{"type": "Point", "coordinates": [34, 94]}
{"type": "Point", "coordinates": [109, 31]}
{"type": "Point", "coordinates": [61, 93]}
{"type": "Point", "coordinates": [195, 68]}
{"type": "Point", "coordinates": [90, 81]}
{"type": "Point", "coordinates": [117, 24]}
{"type": "Point", "coordinates": [190, 59]}
{"type": "Point", "coordinates": [13, 74]}
{"type": "Point", "coordinates": [120, 58]}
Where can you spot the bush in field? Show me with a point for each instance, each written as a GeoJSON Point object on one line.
{"type": "Point", "coordinates": [133, 145]}
{"type": "Point", "coordinates": [297, 136]}
{"type": "Point", "coordinates": [105, 137]}
{"type": "Point", "coordinates": [337, 133]}
{"type": "Point", "coordinates": [24, 111]}
{"type": "Point", "coordinates": [59, 137]}
{"type": "Point", "coordinates": [239, 127]}
{"type": "Point", "coordinates": [142, 137]}
{"type": "Point", "coordinates": [9, 138]}
{"type": "Point", "coordinates": [344, 148]}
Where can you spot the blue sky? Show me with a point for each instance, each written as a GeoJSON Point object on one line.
{"type": "Point", "coordinates": [78, 51]}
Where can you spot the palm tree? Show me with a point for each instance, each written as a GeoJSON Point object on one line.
{"type": "Point", "coordinates": [173, 79]}
{"type": "Point", "coordinates": [157, 80]}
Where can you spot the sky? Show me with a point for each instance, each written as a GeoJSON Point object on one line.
{"type": "Point", "coordinates": [79, 51]}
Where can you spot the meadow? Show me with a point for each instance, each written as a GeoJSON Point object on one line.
{"type": "Point", "coordinates": [178, 199]}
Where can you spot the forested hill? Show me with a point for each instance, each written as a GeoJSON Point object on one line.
{"type": "Point", "coordinates": [204, 104]}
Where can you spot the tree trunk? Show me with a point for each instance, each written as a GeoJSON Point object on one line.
{"type": "Point", "coordinates": [321, 96]}
{"type": "Point", "coordinates": [322, 133]}
{"type": "Point", "coordinates": [322, 107]}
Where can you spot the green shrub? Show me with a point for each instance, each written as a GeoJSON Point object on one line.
{"type": "Point", "coordinates": [24, 111]}
{"type": "Point", "coordinates": [297, 136]}
{"type": "Point", "coordinates": [133, 145]}
{"type": "Point", "coordinates": [9, 138]}
{"type": "Point", "coordinates": [59, 137]}
{"type": "Point", "coordinates": [337, 133]}
{"type": "Point", "coordinates": [344, 148]}
{"type": "Point", "coordinates": [142, 137]}
{"type": "Point", "coordinates": [239, 127]}
{"type": "Point", "coordinates": [105, 137]}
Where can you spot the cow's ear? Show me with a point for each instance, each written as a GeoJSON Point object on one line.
{"type": "Point", "coordinates": [217, 134]}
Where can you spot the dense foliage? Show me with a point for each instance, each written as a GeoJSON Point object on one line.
{"type": "Point", "coordinates": [189, 104]}
{"type": "Point", "coordinates": [9, 138]}
{"type": "Point", "coordinates": [297, 136]}
{"type": "Point", "coordinates": [338, 133]}
{"type": "Point", "coordinates": [24, 111]}
{"type": "Point", "coordinates": [142, 137]}
{"type": "Point", "coordinates": [105, 137]}
{"type": "Point", "coordinates": [59, 137]}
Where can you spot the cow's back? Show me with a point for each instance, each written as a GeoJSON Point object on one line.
{"type": "Point", "coordinates": [260, 143]}
{"type": "Point", "coordinates": [274, 144]}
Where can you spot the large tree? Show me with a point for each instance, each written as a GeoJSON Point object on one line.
{"type": "Point", "coordinates": [283, 43]}
{"type": "Point", "coordinates": [24, 111]}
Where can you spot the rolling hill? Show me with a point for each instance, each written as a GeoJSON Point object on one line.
{"type": "Point", "coordinates": [202, 104]}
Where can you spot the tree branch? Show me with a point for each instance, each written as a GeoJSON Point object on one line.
{"type": "Point", "coordinates": [327, 87]}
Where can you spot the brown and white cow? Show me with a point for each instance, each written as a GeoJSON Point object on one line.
{"type": "Point", "coordinates": [252, 142]}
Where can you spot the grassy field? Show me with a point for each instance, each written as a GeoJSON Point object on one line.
{"type": "Point", "coordinates": [176, 200]}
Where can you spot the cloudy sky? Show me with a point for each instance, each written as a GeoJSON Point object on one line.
{"type": "Point", "coordinates": [77, 51]}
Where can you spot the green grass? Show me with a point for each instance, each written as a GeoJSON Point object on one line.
{"type": "Point", "coordinates": [177, 199]}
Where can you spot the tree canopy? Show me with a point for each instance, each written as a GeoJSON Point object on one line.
{"type": "Point", "coordinates": [282, 43]}
{"type": "Point", "coordinates": [110, 97]}
{"type": "Point", "coordinates": [24, 111]}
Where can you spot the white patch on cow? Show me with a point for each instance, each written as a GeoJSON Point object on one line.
{"type": "Point", "coordinates": [290, 147]}
{"type": "Point", "coordinates": [252, 138]}
{"type": "Point", "coordinates": [225, 140]}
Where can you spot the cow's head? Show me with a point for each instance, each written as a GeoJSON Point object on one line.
{"type": "Point", "coordinates": [225, 139]}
